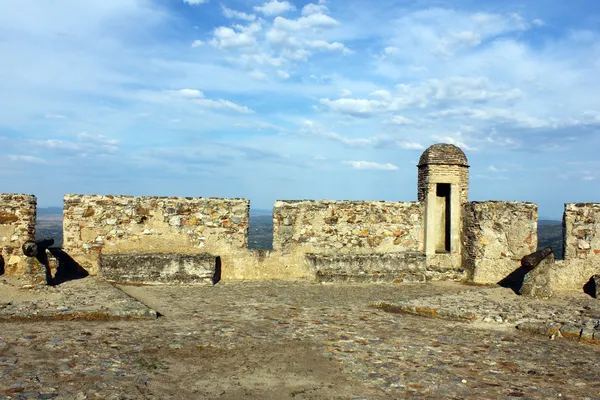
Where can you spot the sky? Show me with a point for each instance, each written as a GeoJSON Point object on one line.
{"type": "Point", "coordinates": [271, 100]}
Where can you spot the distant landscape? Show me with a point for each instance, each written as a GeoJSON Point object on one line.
{"type": "Point", "coordinates": [260, 235]}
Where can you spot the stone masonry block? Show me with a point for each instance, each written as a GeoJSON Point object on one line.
{"type": "Point", "coordinates": [160, 268]}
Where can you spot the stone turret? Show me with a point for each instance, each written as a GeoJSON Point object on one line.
{"type": "Point", "coordinates": [443, 185]}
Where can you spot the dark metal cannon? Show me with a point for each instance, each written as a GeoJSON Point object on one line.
{"type": "Point", "coordinates": [532, 260]}
{"type": "Point", "coordinates": [34, 248]}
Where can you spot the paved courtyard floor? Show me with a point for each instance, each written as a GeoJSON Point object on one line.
{"type": "Point", "coordinates": [279, 340]}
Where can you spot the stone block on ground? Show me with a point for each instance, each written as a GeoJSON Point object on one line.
{"type": "Point", "coordinates": [391, 267]}
{"type": "Point", "coordinates": [536, 282]}
{"type": "Point", "coordinates": [36, 271]}
{"type": "Point", "coordinates": [154, 268]}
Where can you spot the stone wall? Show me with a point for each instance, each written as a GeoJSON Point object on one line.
{"type": "Point", "coordinates": [581, 230]}
{"type": "Point", "coordinates": [497, 234]}
{"type": "Point", "coordinates": [17, 225]}
{"type": "Point", "coordinates": [95, 224]}
{"type": "Point", "coordinates": [581, 225]}
{"type": "Point", "coordinates": [347, 227]}
{"type": "Point", "coordinates": [456, 174]}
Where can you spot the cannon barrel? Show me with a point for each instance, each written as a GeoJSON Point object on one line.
{"type": "Point", "coordinates": [33, 248]}
{"type": "Point", "coordinates": [532, 260]}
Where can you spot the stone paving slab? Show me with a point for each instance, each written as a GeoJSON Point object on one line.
{"type": "Point", "coordinates": [289, 340]}
{"type": "Point", "coordinates": [571, 315]}
{"type": "Point", "coordinates": [90, 298]}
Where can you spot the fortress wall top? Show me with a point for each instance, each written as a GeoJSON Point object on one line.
{"type": "Point", "coordinates": [497, 234]}
{"type": "Point", "coordinates": [17, 225]}
{"type": "Point", "coordinates": [581, 223]}
{"type": "Point", "coordinates": [346, 227]}
{"type": "Point", "coordinates": [581, 229]}
{"type": "Point", "coordinates": [95, 224]}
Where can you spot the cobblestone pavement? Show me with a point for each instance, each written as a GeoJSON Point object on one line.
{"type": "Point", "coordinates": [573, 315]}
{"type": "Point", "coordinates": [288, 341]}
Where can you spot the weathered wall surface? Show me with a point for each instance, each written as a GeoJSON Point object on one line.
{"type": "Point", "coordinates": [17, 225]}
{"type": "Point", "coordinates": [581, 223]}
{"type": "Point", "coordinates": [95, 224]}
{"type": "Point", "coordinates": [581, 229]}
{"type": "Point", "coordinates": [390, 267]}
{"type": "Point", "coordinates": [347, 227]}
{"type": "Point", "coordinates": [160, 268]}
{"type": "Point", "coordinates": [455, 174]}
{"type": "Point", "coordinates": [497, 234]}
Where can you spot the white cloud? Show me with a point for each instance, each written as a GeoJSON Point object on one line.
{"type": "Point", "coordinates": [410, 145]}
{"type": "Point", "coordinates": [400, 120]}
{"type": "Point", "coordinates": [259, 76]}
{"type": "Point", "coordinates": [26, 159]}
{"type": "Point", "coordinates": [538, 22]}
{"type": "Point", "coordinates": [497, 115]}
{"type": "Point", "coordinates": [312, 8]}
{"type": "Point", "coordinates": [456, 140]}
{"type": "Point", "coordinates": [425, 94]}
{"type": "Point", "coordinates": [197, 43]}
{"type": "Point", "coordinates": [382, 94]}
{"type": "Point", "coordinates": [85, 145]}
{"type": "Point", "coordinates": [240, 37]}
{"type": "Point", "coordinates": [221, 104]}
{"type": "Point", "coordinates": [229, 13]}
{"type": "Point", "coordinates": [312, 21]}
{"type": "Point", "coordinates": [283, 74]}
{"type": "Point", "coordinates": [345, 93]}
{"type": "Point", "coordinates": [187, 93]}
{"type": "Point", "coordinates": [275, 7]}
{"type": "Point", "coordinates": [197, 97]}
{"type": "Point", "coordinates": [371, 165]}
{"type": "Point", "coordinates": [356, 107]}
{"type": "Point", "coordinates": [195, 2]}
{"type": "Point", "coordinates": [54, 116]}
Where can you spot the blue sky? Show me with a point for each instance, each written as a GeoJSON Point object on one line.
{"type": "Point", "coordinates": [297, 100]}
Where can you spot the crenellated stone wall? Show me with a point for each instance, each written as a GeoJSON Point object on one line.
{"type": "Point", "coordinates": [581, 224]}
{"type": "Point", "coordinates": [347, 226]}
{"type": "Point", "coordinates": [17, 225]}
{"type": "Point", "coordinates": [581, 230]}
{"type": "Point", "coordinates": [96, 224]}
{"type": "Point", "coordinates": [497, 234]}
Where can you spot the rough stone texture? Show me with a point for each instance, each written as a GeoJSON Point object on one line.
{"type": "Point", "coordinates": [443, 164]}
{"type": "Point", "coordinates": [91, 298]}
{"type": "Point", "coordinates": [497, 235]}
{"type": "Point", "coordinates": [36, 272]}
{"type": "Point", "coordinates": [159, 268]}
{"type": "Point", "coordinates": [446, 162]}
{"type": "Point", "coordinates": [348, 227]}
{"type": "Point", "coordinates": [581, 222]}
{"type": "Point", "coordinates": [567, 315]}
{"type": "Point", "coordinates": [537, 282]}
{"type": "Point", "coordinates": [95, 224]}
{"type": "Point", "coordinates": [17, 226]}
{"type": "Point", "coordinates": [394, 267]}
{"type": "Point", "coordinates": [581, 227]}
{"type": "Point", "coordinates": [296, 341]}
{"type": "Point", "coordinates": [443, 153]}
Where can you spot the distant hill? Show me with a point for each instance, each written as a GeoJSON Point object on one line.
{"type": "Point", "coordinates": [50, 211]}
{"type": "Point", "coordinates": [550, 233]}
{"type": "Point", "coordinates": [549, 222]}
{"type": "Point", "coordinates": [260, 211]}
